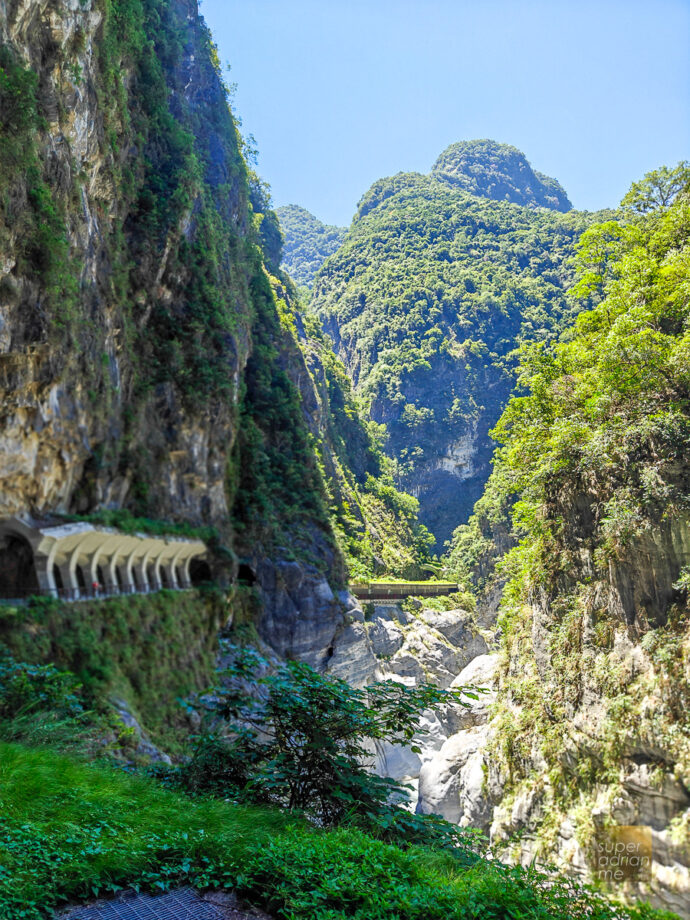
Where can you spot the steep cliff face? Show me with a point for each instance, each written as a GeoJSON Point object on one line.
{"type": "Point", "coordinates": [590, 731]}
{"type": "Point", "coordinates": [151, 358]}
{"type": "Point", "coordinates": [122, 359]}
{"type": "Point", "coordinates": [437, 281]}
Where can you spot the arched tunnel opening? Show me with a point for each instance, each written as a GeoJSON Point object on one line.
{"type": "Point", "coordinates": [200, 572]}
{"type": "Point", "coordinates": [17, 568]}
{"type": "Point", "coordinates": [246, 575]}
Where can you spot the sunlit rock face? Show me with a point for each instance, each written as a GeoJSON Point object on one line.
{"type": "Point", "coordinates": [640, 779]}
{"type": "Point", "coordinates": [121, 377]}
{"type": "Point", "coordinates": [619, 732]}
{"type": "Point", "coordinates": [77, 427]}
{"type": "Point", "coordinates": [462, 774]}
{"type": "Point", "coordinates": [411, 646]}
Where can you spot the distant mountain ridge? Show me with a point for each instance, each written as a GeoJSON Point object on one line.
{"type": "Point", "coordinates": [307, 242]}
{"type": "Point", "coordinates": [439, 278]}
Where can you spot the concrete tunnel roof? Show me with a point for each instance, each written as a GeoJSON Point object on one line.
{"type": "Point", "coordinates": [61, 540]}
{"type": "Point", "coordinates": [67, 545]}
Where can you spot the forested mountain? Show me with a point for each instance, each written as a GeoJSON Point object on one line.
{"type": "Point", "coordinates": [307, 243]}
{"type": "Point", "coordinates": [499, 172]}
{"type": "Point", "coordinates": [189, 483]}
{"type": "Point", "coordinates": [593, 723]}
{"type": "Point", "coordinates": [433, 288]}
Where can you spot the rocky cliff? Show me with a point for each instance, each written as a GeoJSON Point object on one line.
{"type": "Point", "coordinates": [590, 730]}
{"type": "Point", "coordinates": [121, 362]}
{"type": "Point", "coordinates": [151, 358]}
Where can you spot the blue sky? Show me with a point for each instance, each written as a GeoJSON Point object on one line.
{"type": "Point", "coordinates": [338, 93]}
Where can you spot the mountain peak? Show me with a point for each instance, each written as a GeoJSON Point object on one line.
{"type": "Point", "coordinates": [500, 172]}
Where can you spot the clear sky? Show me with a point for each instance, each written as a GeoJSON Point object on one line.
{"type": "Point", "coordinates": [338, 93]}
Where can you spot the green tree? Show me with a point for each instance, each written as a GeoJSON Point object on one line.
{"type": "Point", "coordinates": [658, 188]}
{"type": "Point", "coordinates": [304, 741]}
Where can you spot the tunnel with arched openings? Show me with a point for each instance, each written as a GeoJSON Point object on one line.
{"type": "Point", "coordinates": [80, 560]}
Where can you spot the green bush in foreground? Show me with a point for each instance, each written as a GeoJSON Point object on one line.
{"type": "Point", "coordinates": [304, 742]}
{"type": "Point", "coordinates": [69, 830]}
{"type": "Point", "coordinates": [40, 704]}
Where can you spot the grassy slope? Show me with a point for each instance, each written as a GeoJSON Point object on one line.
{"type": "Point", "coordinates": [147, 650]}
{"type": "Point", "coordinates": [70, 830]}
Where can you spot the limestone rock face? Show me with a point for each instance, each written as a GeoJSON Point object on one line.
{"type": "Point", "coordinates": [434, 644]}
{"type": "Point", "coordinates": [453, 783]}
{"type": "Point", "coordinates": [482, 673]}
{"type": "Point", "coordinates": [385, 637]}
{"type": "Point", "coordinates": [353, 658]}
{"type": "Point", "coordinates": [94, 416]}
{"type": "Point", "coordinates": [300, 613]}
{"type": "Point", "coordinates": [64, 427]}
{"type": "Point", "coordinates": [443, 647]}
{"type": "Point", "coordinates": [624, 694]}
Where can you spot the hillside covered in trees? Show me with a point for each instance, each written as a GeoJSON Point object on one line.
{"type": "Point", "coordinates": [439, 279]}
{"type": "Point", "coordinates": [307, 243]}
{"type": "Point", "coordinates": [250, 730]}
{"type": "Point", "coordinates": [585, 523]}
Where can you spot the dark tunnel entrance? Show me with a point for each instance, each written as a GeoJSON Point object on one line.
{"type": "Point", "coordinates": [199, 572]}
{"type": "Point", "coordinates": [245, 575]}
{"type": "Point", "coordinates": [17, 569]}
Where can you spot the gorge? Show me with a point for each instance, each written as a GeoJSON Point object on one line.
{"type": "Point", "coordinates": [236, 412]}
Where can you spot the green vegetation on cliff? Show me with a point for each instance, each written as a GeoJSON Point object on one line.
{"type": "Point", "coordinates": [499, 172]}
{"type": "Point", "coordinates": [177, 342]}
{"type": "Point", "coordinates": [146, 650]}
{"type": "Point", "coordinates": [434, 287]}
{"type": "Point", "coordinates": [309, 477]}
{"type": "Point", "coordinates": [376, 525]}
{"type": "Point", "coordinates": [594, 462]}
{"type": "Point", "coordinates": [307, 242]}
{"type": "Point", "coordinates": [32, 219]}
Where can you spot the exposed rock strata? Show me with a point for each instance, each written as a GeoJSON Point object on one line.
{"type": "Point", "coordinates": [91, 416]}
{"type": "Point", "coordinates": [622, 735]}
{"type": "Point", "coordinates": [56, 416]}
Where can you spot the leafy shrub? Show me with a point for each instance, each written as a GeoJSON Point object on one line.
{"type": "Point", "coordinates": [304, 742]}
{"type": "Point", "coordinates": [40, 704]}
{"type": "Point", "coordinates": [28, 687]}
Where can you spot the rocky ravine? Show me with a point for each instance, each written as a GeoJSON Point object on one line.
{"type": "Point", "coordinates": [446, 647]}
{"type": "Point", "coordinates": [459, 774]}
